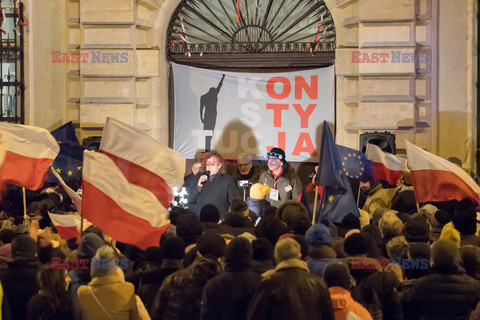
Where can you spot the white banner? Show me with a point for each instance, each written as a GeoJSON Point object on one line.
{"type": "Point", "coordinates": [251, 112]}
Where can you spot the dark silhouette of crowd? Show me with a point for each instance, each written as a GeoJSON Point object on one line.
{"type": "Point", "coordinates": [254, 259]}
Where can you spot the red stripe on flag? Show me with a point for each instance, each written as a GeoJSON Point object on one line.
{"type": "Point", "coordinates": [104, 212]}
{"type": "Point", "coordinates": [67, 232]}
{"type": "Point", "coordinates": [381, 172]}
{"type": "Point", "coordinates": [441, 185]}
{"type": "Point", "coordinates": [144, 178]}
{"type": "Point", "coordinates": [25, 171]}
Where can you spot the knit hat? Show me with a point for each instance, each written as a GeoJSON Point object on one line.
{"type": "Point", "coordinates": [428, 210]}
{"type": "Point", "coordinates": [290, 211]}
{"type": "Point", "coordinates": [450, 233]}
{"type": "Point", "coordinates": [350, 221]}
{"type": "Point", "coordinates": [262, 249]}
{"type": "Point", "coordinates": [211, 244]}
{"type": "Point", "coordinates": [89, 245]}
{"type": "Point", "coordinates": [24, 247]}
{"type": "Point", "coordinates": [440, 218]}
{"type": "Point", "coordinates": [276, 153]}
{"type": "Point", "coordinates": [445, 253]}
{"type": "Point", "coordinates": [189, 228]}
{"type": "Point", "coordinates": [470, 260]}
{"type": "Point", "coordinates": [5, 253]}
{"type": "Point", "coordinates": [416, 230]}
{"type": "Point", "coordinates": [465, 221]}
{"type": "Point", "coordinates": [404, 202]}
{"type": "Point", "coordinates": [154, 254]}
{"type": "Point", "coordinates": [238, 205]}
{"type": "Point", "coordinates": [318, 234]}
{"type": "Point", "coordinates": [95, 230]}
{"type": "Point", "coordinates": [337, 275]}
{"type": "Point", "coordinates": [356, 244]}
{"type": "Point", "coordinates": [7, 235]}
{"type": "Point", "coordinates": [104, 263]}
{"type": "Point", "coordinates": [209, 213]}
{"type": "Point", "coordinates": [238, 252]}
{"type": "Point", "coordinates": [173, 248]}
{"type": "Point", "coordinates": [259, 191]}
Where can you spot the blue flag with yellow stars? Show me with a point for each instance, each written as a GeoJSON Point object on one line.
{"type": "Point", "coordinates": [68, 164]}
{"type": "Point", "coordinates": [65, 133]}
{"type": "Point", "coordinates": [338, 199]}
{"type": "Point", "coordinates": [355, 164]}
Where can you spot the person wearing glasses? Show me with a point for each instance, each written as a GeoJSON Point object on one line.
{"type": "Point", "coordinates": [247, 174]}
{"type": "Point", "coordinates": [281, 178]}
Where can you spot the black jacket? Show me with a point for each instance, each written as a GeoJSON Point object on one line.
{"type": "Point", "coordinates": [291, 293]}
{"type": "Point", "coordinates": [447, 293]}
{"type": "Point", "coordinates": [180, 295]}
{"type": "Point", "coordinates": [19, 285]}
{"type": "Point", "coordinates": [220, 190]}
{"type": "Point", "coordinates": [40, 308]}
{"type": "Point", "coordinates": [258, 206]}
{"type": "Point", "coordinates": [227, 295]}
{"type": "Point", "coordinates": [150, 282]}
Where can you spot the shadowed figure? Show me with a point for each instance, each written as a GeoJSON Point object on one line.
{"type": "Point", "coordinates": [208, 111]}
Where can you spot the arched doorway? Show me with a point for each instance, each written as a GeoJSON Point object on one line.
{"type": "Point", "coordinates": [231, 34]}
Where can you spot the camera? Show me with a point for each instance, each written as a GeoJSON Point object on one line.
{"type": "Point", "coordinates": [243, 183]}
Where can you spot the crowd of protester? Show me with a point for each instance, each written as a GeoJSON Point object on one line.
{"type": "Point", "coordinates": [255, 259]}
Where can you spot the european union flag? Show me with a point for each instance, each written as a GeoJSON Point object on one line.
{"type": "Point", "coordinates": [338, 199]}
{"type": "Point", "coordinates": [68, 164]}
{"type": "Point", "coordinates": [355, 164]}
{"type": "Point", "coordinates": [65, 133]}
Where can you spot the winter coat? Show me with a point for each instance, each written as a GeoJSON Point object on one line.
{"type": "Point", "coordinates": [319, 258]}
{"type": "Point", "coordinates": [447, 293]}
{"type": "Point", "coordinates": [290, 292]}
{"type": "Point", "coordinates": [115, 295]}
{"type": "Point", "coordinates": [288, 180]}
{"type": "Point", "coordinates": [180, 295]}
{"type": "Point", "coordinates": [150, 282]}
{"type": "Point", "coordinates": [378, 197]}
{"type": "Point", "coordinates": [291, 211]}
{"type": "Point", "coordinates": [226, 297]}
{"type": "Point", "coordinates": [19, 284]}
{"type": "Point", "coordinates": [343, 305]}
{"type": "Point", "coordinates": [472, 240]}
{"type": "Point", "coordinates": [219, 190]}
{"type": "Point", "coordinates": [258, 206]}
{"type": "Point", "coordinates": [39, 308]}
{"type": "Point", "coordinates": [252, 178]}
{"type": "Point", "coordinates": [386, 285]}
{"type": "Point", "coordinates": [261, 266]}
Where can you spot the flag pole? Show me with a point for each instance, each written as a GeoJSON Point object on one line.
{"type": "Point", "coordinates": [315, 205]}
{"type": "Point", "coordinates": [24, 204]}
{"type": "Point", "coordinates": [358, 196]}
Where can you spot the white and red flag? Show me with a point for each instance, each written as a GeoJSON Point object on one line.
{"type": "Point", "coordinates": [67, 225]}
{"type": "Point", "coordinates": [437, 179]}
{"type": "Point", "coordinates": [124, 211]}
{"type": "Point", "coordinates": [143, 160]}
{"type": "Point", "coordinates": [29, 153]}
{"type": "Point", "coordinates": [386, 166]}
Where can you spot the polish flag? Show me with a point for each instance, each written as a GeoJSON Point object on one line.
{"type": "Point", "coordinates": [143, 160]}
{"type": "Point", "coordinates": [75, 197]}
{"type": "Point", "coordinates": [67, 225]}
{"type": "Point", "coordinates": [386, 166]}
{"type": "Point", "coordinates": [122, 210]}
{"type": "Point", "coordinates": [437, 179]}
{"type": "Point", "coordinates": [29, 153]}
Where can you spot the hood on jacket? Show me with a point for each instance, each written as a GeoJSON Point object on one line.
{"type": "Point", "coordinates": [291, 211]}
{"type": "Point", "coordinates": [341, 298]}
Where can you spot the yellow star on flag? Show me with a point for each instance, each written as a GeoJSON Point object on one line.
{"type": "Point", "coordinates": [354, 155]}
{"type": "Point", "coordinates": [349, 154]}
{"type": "Point", "coordinates": [58, 170]}
{"type": "Point", "coordinates": [79, 168]}
{"type": "Point", "coordinates": [69, 172]}
{"type": "Point", "coordinates": [345, 158]}
{"type": "Point", "coordinates": [343, 163]}
{"type": "Point", "coordinates": [330, 199]}
{"type": "Point", "coordinates": [356, 177]}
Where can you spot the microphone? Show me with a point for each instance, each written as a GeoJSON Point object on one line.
{"type": "Point", "coordinates": [208, 177]}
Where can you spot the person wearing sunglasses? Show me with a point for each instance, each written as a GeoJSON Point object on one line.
{"type": "Point", "coordinates": [281, 178]}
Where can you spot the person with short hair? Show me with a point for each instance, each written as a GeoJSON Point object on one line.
{"type": "Point", "coordinates": [246, 171]}
{"type": "Point", "coordinates": [289, 291]}
{"type": "Point", "coordinates": [215, 187]}
{"type": "Point", "coordinates": [282, 179]}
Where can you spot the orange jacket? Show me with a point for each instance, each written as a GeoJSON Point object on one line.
{"type": "Point", "coordinates": [343, 305]}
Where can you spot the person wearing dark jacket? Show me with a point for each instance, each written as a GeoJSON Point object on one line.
{"type": "Point", "coordinates": [226, 297]}
{"type": "Point", "coordinates": [321, 253]}
{"type": "Point", "coordinates": [173, 250]}
{"type": "Point", "coordinates": [210, 218]}
{"type": "Point", "coordinates": [270, 226]}
{"type": "Point", "coordinates": [465, 221]}
{"type": "Point", "coordinates": [217, 187]}
{"type": "Point", "coordinates": [256, 202]}
{"type": "Point", "coordinates": [18, 279]}
{"type": "Point", "coordinates": [180, 295]}
{"type": "Point", "coordinates": [262, 258]}
{"type": "Point", "coordinates": [447, 293]}
{"type": "Point", "coordinates": [51, 301]}
{"type": "Point", "coordinates": [281, 178]}
{"type": "Point", "coordinates": [290, 291]}
{"type": "Point", "coordinates": [246, 171]}
{"type": "Point", "coordinates": [150, 262]}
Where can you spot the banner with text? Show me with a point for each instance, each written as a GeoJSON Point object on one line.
{"type": "Point", "coordinates": [251, 112]}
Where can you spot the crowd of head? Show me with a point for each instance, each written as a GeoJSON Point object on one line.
{"type": "Point", "coordinates": [254, 259]}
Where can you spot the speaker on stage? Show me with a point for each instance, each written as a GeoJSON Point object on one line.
{"type": "Point", "coordinates": [92, 143]}
{"type": "Point", "coordinates": [385, 140]}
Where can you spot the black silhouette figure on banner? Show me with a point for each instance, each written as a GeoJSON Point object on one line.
{"type": "Point", "coordinates": [208, 111]}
